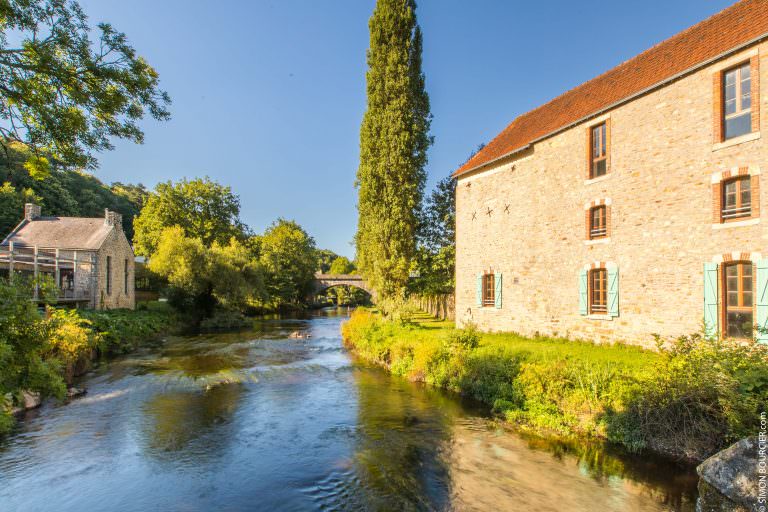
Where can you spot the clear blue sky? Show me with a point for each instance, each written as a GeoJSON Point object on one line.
{"type": "Point", "coordinates": [268, 95]}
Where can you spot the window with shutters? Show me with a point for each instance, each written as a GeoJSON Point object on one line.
{"type": "Point", "coordinates": [738, 311]}
{"type": "Point", "coordinates": [737, 101]}
{"type": "Point", "coordinates": [598, 165]}
{"type": "Point", "coordinates": [598, 291]}
{"type": "Point", "coordinates": [598, 225]}
{"type": "Point", "coordinates": [489, 290]}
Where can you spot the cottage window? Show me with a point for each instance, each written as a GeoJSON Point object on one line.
{"type": "Point", "coordinates": [737, 279]}
{"type": "Point", "coordinates": [597, 222]}
{"type": "Point", "coordinates": [489, 290]}
{"type": "Point", "coordinates": [598, 291]}
{"type": "Point", "coordinates": [737, 198]}
{"type": "Point", "coordinates": [737, 101]}
{"type": "Point", "coordinates": [109, 275]}
{"type": "Point", "coordinates": [125, 276]}
{"type": "Point", "coordinates": [599, 151]}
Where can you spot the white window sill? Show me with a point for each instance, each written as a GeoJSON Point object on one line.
{"type": "Point", "coordinates": [600, 317]}
{"type": "Point", "coordinates": [598, 180]}
{"type": "Point", "coordinates": [738, 224]}
{"type": "Point", "coordinates": [598, 241]}
{"type": "Point", "coordinates": [736, 141]}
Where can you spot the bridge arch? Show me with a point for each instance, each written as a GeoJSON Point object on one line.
{"type": "Point", "coordinates": [325, 281]}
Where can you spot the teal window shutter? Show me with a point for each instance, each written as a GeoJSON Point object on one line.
{"type": "Point", "coordinates": [583, 289]}
{"type": "Point", "coordinates": [479, 294]}
{"type": "Point", "coordinates": [613, 291]}
{"type": "Point", "coordinates": [497, 290]}
{"type": "Point", "coordinates": [762, 301]}
{"type": "Point", "coordinates": [710, 299]}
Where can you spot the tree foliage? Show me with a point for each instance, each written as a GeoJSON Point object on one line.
{"type": "Point", "coordinates": [324, 259]}
{"type": "Point", "coordinates": [341, 265]}
{"type": "Point", "coordinates": [437, 241]}
{"type": "Point", "coordinates": [289, 259]}
{"type": "Point", "coordinates": [394, 138]}
{"type": "Point", "coordinates": [65, 94]}
{"type": "Point", "coordinates": [200, 277]}
{"type": "Point", "coordinates": [202, 208]}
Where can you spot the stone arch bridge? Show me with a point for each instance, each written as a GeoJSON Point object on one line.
{"type": "Point", "coordinates": [325, 281]}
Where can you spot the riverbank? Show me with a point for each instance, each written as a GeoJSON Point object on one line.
{"type": "Point", "coordinates": [43, 353]}
{"type": "Point", "coordinates": [687, 401]}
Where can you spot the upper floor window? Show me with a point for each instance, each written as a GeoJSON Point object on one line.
{"type": "Point", "coordinates": [737, 198]}
{"type": "Point", "coordinates": [598, 291]}
{"type": "Point", "coordinates": [737, 101]}
{"type": "Point", "coordinates": [598, 226]}
{"type": "Point", "coordinates": [489, 290]}
{"type": "Point", "coordinates": [599, 151]}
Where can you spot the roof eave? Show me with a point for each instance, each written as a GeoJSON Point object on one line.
{"type": "Point", "coordinates": [629, 98]}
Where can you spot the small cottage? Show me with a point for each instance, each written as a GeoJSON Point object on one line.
{"type": "Point", "coordinates": [90, 259]}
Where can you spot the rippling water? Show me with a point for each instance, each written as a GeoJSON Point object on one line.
{"type": "Point", "coordinates": [258, 421]}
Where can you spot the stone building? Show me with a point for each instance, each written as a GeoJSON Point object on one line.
{"type": "Point", "coordinates": [632, 204]}
{"type": "Point", "coordinates": [90, 259]}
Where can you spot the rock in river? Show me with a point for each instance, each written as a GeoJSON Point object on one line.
{"type": "Point", "coordinates": [732, 472]}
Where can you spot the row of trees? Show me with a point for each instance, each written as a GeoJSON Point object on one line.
{"type": "Point", "coordinates": [194, 239]}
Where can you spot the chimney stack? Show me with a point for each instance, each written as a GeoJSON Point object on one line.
{"type": "Point", "coordinates": [31, 211]}
{"type": "Point", "coordinates": [113, 218]}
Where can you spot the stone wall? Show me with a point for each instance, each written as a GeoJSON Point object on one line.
{"type": "Point", "coordinates": [524, 217]}
{"type": "Point", "coordinates": [117, 247]}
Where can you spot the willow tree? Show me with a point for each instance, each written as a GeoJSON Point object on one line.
{"type": "Point", "coordinates": [394, 138]}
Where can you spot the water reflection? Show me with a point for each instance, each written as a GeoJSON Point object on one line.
{"type": "Point", "coordinates": [199, 424]}
{"type": "Point", "coordinates": [257, 421]}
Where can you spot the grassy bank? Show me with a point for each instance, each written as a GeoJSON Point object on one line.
{"type": "Point", "coordinates": [41, 352]}
{"type": "Point", "coordinates": [686, 401]}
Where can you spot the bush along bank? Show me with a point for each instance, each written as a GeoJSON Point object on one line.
{"type": "Point", "coordinates": [687, 401]}
{"type": "Point", "coordinates": [41, 352]}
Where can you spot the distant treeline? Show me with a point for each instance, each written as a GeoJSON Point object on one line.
{"type": "Point", "coordinates": [62, 192]}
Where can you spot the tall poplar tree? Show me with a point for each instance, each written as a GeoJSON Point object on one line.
{"type": "Point", "coordinates": [394, 138]}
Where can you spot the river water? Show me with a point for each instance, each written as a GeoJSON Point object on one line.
{"type": "Point", "coordinates": [257, 421]}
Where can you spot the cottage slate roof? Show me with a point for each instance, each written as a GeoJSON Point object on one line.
{"type": "Point", "coordinates": [60, 233]}
{"type": "Point", "coordinates": [740, 24]}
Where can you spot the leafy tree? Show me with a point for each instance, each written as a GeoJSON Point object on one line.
{"type": "Point", "coordinates": [69, 193]}
{"type": "Point", "coordinates": [325, 257]}
{"type": "Point", "coordinates": [289, 259]}
{"type": "Point", "coordinates": [203, 209]}
{"type": "Point", "coordinates": [437, 245]}
{"type": "Point", "coordinates": [201, 278]}
{"type": "Point", "coordinates": [342, 265]}
{"type": "Point", "coordinates": [394, 138]}
{"type": "Point", "coordinates": [64, 94]}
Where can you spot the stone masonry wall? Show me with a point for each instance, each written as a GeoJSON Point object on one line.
{"type": "Point", "coordinates": [116, 245]}
{"type": "Point", "coordinates": [525, 218]}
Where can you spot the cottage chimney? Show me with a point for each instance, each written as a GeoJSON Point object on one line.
{"type": "Point", "coordinates": [113, 218]}
{"type": "Point", "coordinates": [31, 211]}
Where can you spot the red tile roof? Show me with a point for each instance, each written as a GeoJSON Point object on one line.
{"type": "Point", "coordinates": [737, 25]}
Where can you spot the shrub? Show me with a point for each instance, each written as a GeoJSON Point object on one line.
{"type": "Point", "coordinates": [688, 401]}
{"type": "Point", "coordinates": [700, 396]}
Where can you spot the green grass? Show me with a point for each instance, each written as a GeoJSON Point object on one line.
{"type": "Point", "coordinates": [685, 402]}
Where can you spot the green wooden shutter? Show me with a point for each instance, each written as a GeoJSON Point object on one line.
{"type": "Point", "coordinates": [762, 301]}
{"type": "Point", "coordinates": [583, 309]}
{"type": "Point", "coordinates": [497, 290]}
{"type": "Point", "coordinates": [710, 299]}
{"type": "Point", "coordinates": [479, 294]}
{"type": "Point", "coordinates": [613, 292]}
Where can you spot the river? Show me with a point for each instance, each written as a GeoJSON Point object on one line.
{"type": "Point", "coordinates": [258, 421]}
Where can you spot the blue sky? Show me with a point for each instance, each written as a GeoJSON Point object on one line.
{"type": "Point", "coordinates": [268, 95]}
